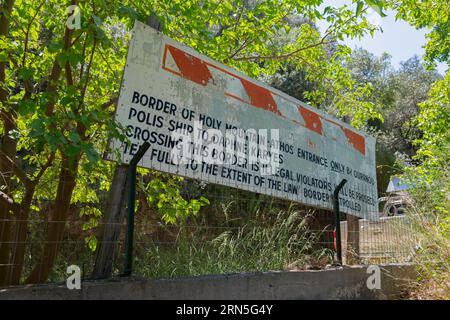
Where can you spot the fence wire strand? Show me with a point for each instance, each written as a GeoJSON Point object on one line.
{"type": "Point", "coordinates": [238, 231]}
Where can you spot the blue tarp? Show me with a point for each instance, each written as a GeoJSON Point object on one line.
{"type": "Point", "coordinates": [396, 184]}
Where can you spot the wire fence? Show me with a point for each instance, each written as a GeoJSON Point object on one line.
{"type": "Point", "coordinates": [387, 240]}
{"type": "Point", "coordinates": [236, 232]}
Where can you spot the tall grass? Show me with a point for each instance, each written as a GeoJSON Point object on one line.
{"type": "Point", "coordinates": [277, 242]}
{"type": "Point", "coordinates": [433, 256]}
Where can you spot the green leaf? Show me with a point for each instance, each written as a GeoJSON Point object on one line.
{"type": "Point", "coordinates": [26, 107]}
{"type": "Point", "coordinates": [54, 47]}
{"type": "Point", "coordinates": [377, 6]}
{"type": "Point", "coordinates": [98, 21]}
{"type": "Point", "coordinates": [74, 137]}
{"type": "Point", "coordinates": [91, 242]}
{"type": "Point", "coordinates": [359, 7]}
{"type": "Point", "coordinates": [71, 150]}
{"type": "Point", "coordinates": [66, 100]}
{"type": "Point", "coordinates": [26, 73]}
{"type": "Point", "coordinates": [91, 154]}
{"type": "Point", "coordinates": [75, 58]}
{"type": "Point", "coordinates": [3, 56]}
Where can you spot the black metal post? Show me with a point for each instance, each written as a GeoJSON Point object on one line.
{"type": "Point", "coordinates": [338, 219]}
{"type": "Point", "coordinates": [131, 199]}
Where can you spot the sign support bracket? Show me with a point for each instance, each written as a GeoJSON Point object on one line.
{"type": "Point", "coordinates": [131, 201]}
{"type": "Point", "coordinates": [337, 216]}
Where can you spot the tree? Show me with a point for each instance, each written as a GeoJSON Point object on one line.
{"type": "Point", "coordinates": [433, 15]}
{"type": "Point", "coordinates": [430, 174]}
{"type": "Point", "coordinates": [396, 94]}
{"type": "Point", "coordinates": [411, 83]}
{"type": "Point", "coordinates": [433, 118]}
{"type": "Point", "coordinates": [366, 68]}
{"type": "Point", "coordinates": [53, 112]}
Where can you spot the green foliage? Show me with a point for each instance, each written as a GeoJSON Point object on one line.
{"type": "Point", "coordinates": [434, 121]}
{"type": "Point", "coordinates": [377, 72]}
{"type": "Point", "coordinates": [433, 15]}
{"type": "Point", "coordinates": [165, 195]}
{"type": "Point", "coordinates": [432, 175]}
{"type": "Point", "coordinates": [431, 218]}
{"type": "Point", "coordinates": [377, 5]}
{"type": "Point", "coordinates": [73, 119]}
{"type": "Point", "coordinates": [431, 192]}
{"type": "Point", "coordinates": [430, 178]}
{"type": "Point", "coordinates": [396, 95]}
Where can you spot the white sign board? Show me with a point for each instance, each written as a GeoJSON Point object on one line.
{"type": "Point", "coordinates": [207, 121]}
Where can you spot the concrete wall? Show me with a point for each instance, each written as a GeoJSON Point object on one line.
{"type": "Point", "coordinates": [340, 283]}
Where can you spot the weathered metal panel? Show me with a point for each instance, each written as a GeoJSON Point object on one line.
{"type": "Point", "coordinates": [166, 84]}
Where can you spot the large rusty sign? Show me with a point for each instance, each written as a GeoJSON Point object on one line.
{"type": "Point", "coordinates": [206, 121]}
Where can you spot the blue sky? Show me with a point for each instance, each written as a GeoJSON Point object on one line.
{"type": "Point", "coordinates": [398, 38]}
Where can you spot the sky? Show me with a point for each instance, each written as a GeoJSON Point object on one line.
{"type": "Point", "coordinates": [398, 38]}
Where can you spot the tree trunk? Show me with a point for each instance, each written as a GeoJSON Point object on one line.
{"type": "Point", "coordinates": [111, 224]}
{"type": "Point", "coordinates": [57, 222]}
{"type": "Point", "coordinates": [115, 209]}
{"type": "Point", "coordinates": [20, 239]}
{"type": "Point", "coordinates": [5, 240]}
{"type": "Point", "coordinates": [8, 147]}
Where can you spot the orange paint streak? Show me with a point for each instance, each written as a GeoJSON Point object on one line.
{"type": "Point", "coordinates": [260, 97]}
{"type": "Point", "coordinates": [191, 68]}
{"type": "Point", "coordinates": [312, 120]}
{"type": "Point", "coordinates": [356, 140]}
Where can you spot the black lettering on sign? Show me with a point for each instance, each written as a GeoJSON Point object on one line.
{"type": "Point", "coordinates": [154, 103]}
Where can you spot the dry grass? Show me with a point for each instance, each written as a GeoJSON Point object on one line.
{"type": "Point", "coordinates": [433, 258]}
{"type": "Point", "coordinates": [431, 289]}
